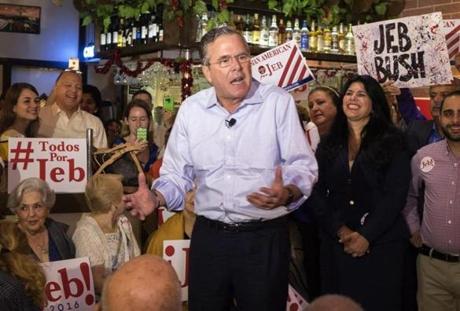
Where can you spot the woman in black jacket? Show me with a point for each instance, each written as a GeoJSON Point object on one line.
{"type": "Point", "coordinates": [364, 174]}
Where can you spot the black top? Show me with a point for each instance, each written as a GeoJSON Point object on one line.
{"type": "Point", "coordinates": [13, 296]}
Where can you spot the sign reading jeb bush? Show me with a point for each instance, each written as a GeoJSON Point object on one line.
{"type": "Point", "coordinates": [411, 51]}
{"type": "Point", "coordinates": [60, 162]}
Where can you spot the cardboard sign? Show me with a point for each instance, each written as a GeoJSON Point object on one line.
{"type": "Point", "coordinates": [411, 51]}
{"type": "Point", "coordinates": [283, 66]}
{"type": "Point", "coordinates": [452, 32]}
{"type": "Point", "coordinates": [295, 301]}
{"type": "Point", "coordinates": [60, 162]}
{"type": "Point", "coordinates": [69, 285]}
{"type": "Point", "coordinates": [177, 253]}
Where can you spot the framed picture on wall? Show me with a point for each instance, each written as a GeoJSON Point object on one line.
{"type": "Point", "coordinates": [20, 18]}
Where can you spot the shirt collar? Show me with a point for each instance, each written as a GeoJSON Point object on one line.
{"type": "Point", "coordinates": [253, 96]}
{"type": "Point", "coordinates": [57, 110]}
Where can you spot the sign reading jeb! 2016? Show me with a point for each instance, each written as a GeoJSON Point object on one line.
{"type": "Point", "coordinates": [411, 51]}
{"type": "Point", "coordinates": [58, 161]}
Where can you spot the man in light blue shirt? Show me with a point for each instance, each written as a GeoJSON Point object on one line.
{"type": "Point", "coordinates": [241, 143]}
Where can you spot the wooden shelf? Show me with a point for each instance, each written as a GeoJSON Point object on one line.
{"type": "Point", "coordinates": [145, 49]}
{"type": "Point", "coordinates": [328, 57]}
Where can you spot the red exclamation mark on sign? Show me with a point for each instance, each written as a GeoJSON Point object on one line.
{"type": "Point", "coordinates": [84, 267]}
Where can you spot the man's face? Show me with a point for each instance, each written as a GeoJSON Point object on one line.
{"type": "Point", "coordinates": [88, 103]}
{"type": "Point", "coordinates": [229, 69]}
{"type": "Point", "coordinates": [69, 91]}
{"type": "Point", "coordinates": [437, 94]}
{"type": "Point", "coordinates": [450, 118]}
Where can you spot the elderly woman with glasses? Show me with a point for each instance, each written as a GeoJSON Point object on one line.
{"type": "Point", "coordinates": [32, 201]}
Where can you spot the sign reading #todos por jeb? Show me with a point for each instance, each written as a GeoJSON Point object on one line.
{"type": "Point", "coordinates": [60, 162]}
{"type": "Point", "coordinates": [411, 51]}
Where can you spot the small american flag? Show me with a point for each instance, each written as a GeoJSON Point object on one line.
{"type": "Point", "coordinates": [452, 30]}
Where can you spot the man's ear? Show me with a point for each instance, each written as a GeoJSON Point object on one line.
{"type": "Point", "coordinates": [207, 73]}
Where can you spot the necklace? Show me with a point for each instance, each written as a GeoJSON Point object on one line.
{"type": "Point", "coordinates": [40, 245]}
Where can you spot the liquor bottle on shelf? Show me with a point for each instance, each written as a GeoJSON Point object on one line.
{"type": "Point", "coordinates": [134, 31]}
{"type": "Point", "coordinates": [273, 33]}
{"type": "Point", "coordinates": [152, 28]}
{"type": "Point", "coordinates": [304, 37]}
{"type": "Point", "coordinates": [334, 40]}
{"type": "Point", "coordinates": [247, 30]}
{"type": "Point", "coordinates": [108, 37]}
{"type": "Point", "coordinates": [313, 44]}
{"type": "Point", "coordinates": [114, 33]}
{"type": "Point", "coordinates": [103, 40]}
{"type": "Point", "coordinates": [296, 31]}
{"type": "Point", "coordinates": [138, 34]}
{"type": "Point", "coordinates": [204, 24]}
{"type": "Point", "coordinates": [341, 38]}
{"type": "Point", "coordinates": [320, 40]}
{"type": "Point", "coordinates": [160, 30]}
{"type": "Point", "coordinates": [289, 31]}
{"type": "Point", "coordinates": [349, 42]}
{"type": "Point", "coordinates": [239, 24]}
{"type": "Point", "coordinates": [121, 26]}
{"type": "Point", "coordinates": [129, 32]}
{"type": "Point", "coordinates": [281, 32]}
{"type": "Point", "coordinates": [144, 29]}
{"type": "Point", "coordinates": [256, 30]}
{"type": "Point", "coordinates": [263, 40]}
{"type": "Point", "coordinates": [327, 40]}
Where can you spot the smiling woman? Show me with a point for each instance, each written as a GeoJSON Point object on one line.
{"type": "Point", "coordinates": [31, 201]}
{"type": "Point", "coordinates": [19, 116]}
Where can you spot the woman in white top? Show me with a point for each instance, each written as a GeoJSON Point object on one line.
{"type": "Point", "coordinates": [105, 235]}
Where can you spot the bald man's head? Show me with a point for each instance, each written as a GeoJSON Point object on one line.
{"type": "Point", "coordinates": [334, 303]}
{"type": "Point", "coordinates": [145, 283]}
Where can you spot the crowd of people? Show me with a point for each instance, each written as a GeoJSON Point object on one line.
{"type": "Point", "coordinates": [368, 181]}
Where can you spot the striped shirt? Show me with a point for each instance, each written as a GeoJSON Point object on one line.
{"type": "Point", "coordinates": [438, 168]}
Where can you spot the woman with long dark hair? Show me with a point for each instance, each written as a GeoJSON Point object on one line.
{"type": "Point", "coordinates": [19, 116]}
{"type": "Point", "coordinates": [364, 174]}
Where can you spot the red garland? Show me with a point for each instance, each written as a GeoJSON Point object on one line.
{"type": "Point", "coordinates": [185, 68]}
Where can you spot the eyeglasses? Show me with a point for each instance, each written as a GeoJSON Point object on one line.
{"type": "Point", "coordinates": [226, 61]}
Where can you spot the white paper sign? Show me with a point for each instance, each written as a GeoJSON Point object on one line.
{"type": "Point", "coordinates": [69, 285]}
{"type": "Point", "coordinates": [177, 253]}
{"type": "Point", "coordinates": [295, 301]}
{"type": "Point", "coordinates": [452, 32]}
{"type": "Point", "coordinates": [283, 66]}
{"type": "Point", "coordinates": [60, 162]}
{"type": "Point", "coordinates": [411, 51]}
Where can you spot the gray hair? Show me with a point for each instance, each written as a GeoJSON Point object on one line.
{"type": "Point", "coordinates": [30, 185]}
{"type": "Point", "coordinates": [212, 36]}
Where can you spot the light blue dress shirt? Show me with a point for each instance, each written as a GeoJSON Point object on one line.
{"type": "Point", "coordinates": [228, 163]}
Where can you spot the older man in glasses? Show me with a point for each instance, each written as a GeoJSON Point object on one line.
{"type": "Point", "coordinates": [241, 143]}
{"type": "Point", "coordinates": [64, 118]}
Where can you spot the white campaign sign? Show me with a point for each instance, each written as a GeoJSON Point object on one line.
{"type": "Point", "coordinates": [177, 252]}
{"type": "Point", "coordinates": [283, 66]}
{"type": "Point", "coordinates": [411, 51]}
{"type": "Point", "coordinates": [69, 285]}
{"type": "Point", "coordinates": [60, 162]}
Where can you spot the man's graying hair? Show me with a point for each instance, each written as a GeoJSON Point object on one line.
{"type": "Point", "coordinates": [212, 36]}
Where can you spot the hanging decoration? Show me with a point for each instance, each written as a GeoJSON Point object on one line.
{"type": "Point", "coordinates": [179, 65]}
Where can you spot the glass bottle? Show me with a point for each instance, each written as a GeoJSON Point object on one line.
{"type": "Point", "coordinates": [296, 31]}
{"type": "Point", "coordinates": [320, 40]}
{"type": "Point", "coordinates": [247, 31]}
{"type": "Point", "coordinates": [341, 38]}
{"type": "Point", "coordinates": [273, 33]}
{"type": "Point", "coordinates": [256, 30]}
{"type": "Point", "coordinates": [313, 42]}
{"type": "Point", "coordinates": [289, 31]}
{"type": "Point", "coordinates": [349, 41]}
{"type": "Point", "coordinates": [304, 37]}
{"type": "Point", "coordinates": [334, 40]}
{"type": "Point", "coordinates": [263, 41]}
{"type": "Point", "coordinates": [327, 40]}
{"type": "Point", "coordinates": [281, 32]}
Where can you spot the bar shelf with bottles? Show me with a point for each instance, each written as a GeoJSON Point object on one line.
{"type": "Point", "coordinates": [317, 42]}
{"type": "Point", "coordinates": [261, 31]}
{"type": "Point", "coordinates": [133, 36]}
